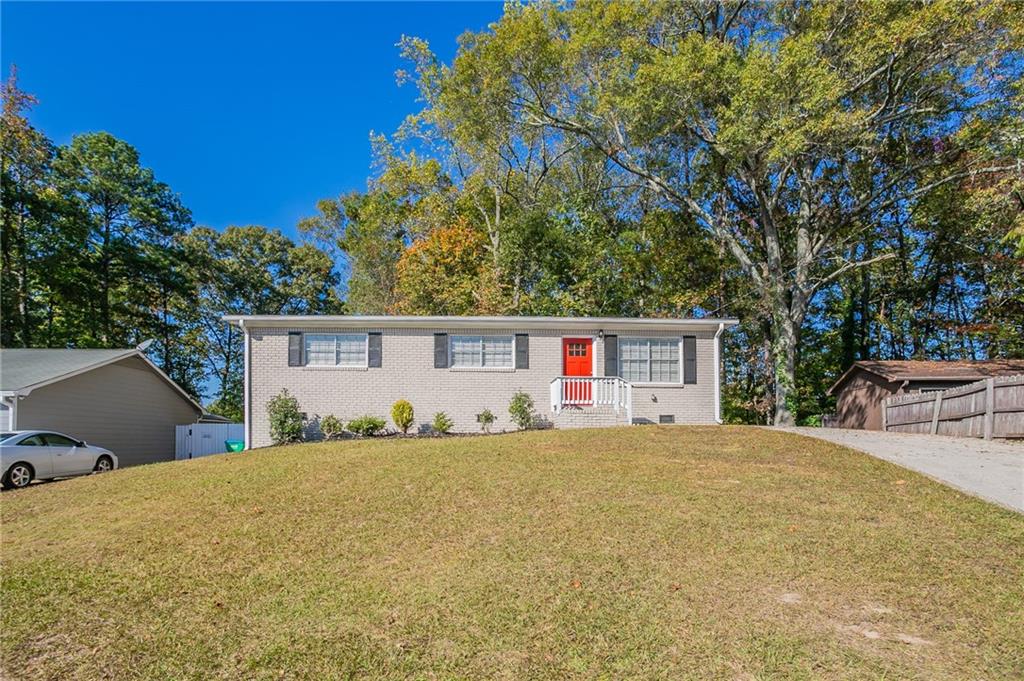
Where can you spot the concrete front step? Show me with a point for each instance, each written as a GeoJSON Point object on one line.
{"type": "Point", "coordinates": [589, 417]}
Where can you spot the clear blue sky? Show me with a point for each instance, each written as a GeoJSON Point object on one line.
{"type": "Point", "coordinates": [250, 111]}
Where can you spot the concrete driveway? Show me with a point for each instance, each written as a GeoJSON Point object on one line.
{"type": "Point", "coordinates": [992, 470]}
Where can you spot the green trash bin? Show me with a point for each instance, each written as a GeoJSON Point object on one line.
{"type": "Point", "coordinates": [234, 445]}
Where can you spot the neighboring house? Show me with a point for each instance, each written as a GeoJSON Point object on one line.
{"type": "Point", "coordinates": [861, 391]}
{"type": "Point", "coordinates": [579, 371]}
{"type": "Point", "coordinates": [116, 399]}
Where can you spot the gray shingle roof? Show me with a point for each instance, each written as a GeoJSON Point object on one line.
{"type": "Point", "coordinates": [20, 368]}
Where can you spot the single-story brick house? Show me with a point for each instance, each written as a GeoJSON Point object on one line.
{"type": "Point", "coordinates": [116, 399]}
{"type": "Point", "coordinates": [862, 388]}
{"type": "Point", "coordinates": [580, 371]}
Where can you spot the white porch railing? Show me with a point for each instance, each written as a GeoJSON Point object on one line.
{"type": "Point", "coordinates": [589, 391]}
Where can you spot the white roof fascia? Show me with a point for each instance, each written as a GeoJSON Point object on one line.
{"type": "Point", "coordinates": [384, 321]}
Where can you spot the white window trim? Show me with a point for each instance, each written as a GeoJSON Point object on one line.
{"type": "Point", "coordinates": [337, 367]}
{"type": "Point", "coordinates": [451, 353]}
{"type": "Point", "coordinates": [679, 360]}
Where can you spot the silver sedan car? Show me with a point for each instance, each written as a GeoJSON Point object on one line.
{"type": "Point", "coordinates": [28, 455]}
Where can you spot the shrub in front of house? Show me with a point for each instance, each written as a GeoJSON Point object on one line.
{"type": "Point", "coordinates": [521, 410]}
{"type": "Point", "coordinates": [285, 419]}
{"type": "Point", "coordinates": [402, 415]}
{"type": "Point", "coordinates": [367, 426]}
{"type": "Point", "coordinates": [442, 423]}
{"type": "Point", "coordinates": [485, 419]}
{"type": "Point", "coordinates": [331, 427]}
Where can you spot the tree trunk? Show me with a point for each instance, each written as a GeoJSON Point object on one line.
{"type": "Point", "coordinates": [23, 285]}
{"type": "Point", "coordinates": [784, 345]}
{"type": "Point", "coordinates": [105, 280]}
{"type": "Point", "coordinates": [225, 377]}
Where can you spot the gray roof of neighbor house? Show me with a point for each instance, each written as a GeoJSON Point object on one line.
{"type": "Point", "coordinates": [22, 369]}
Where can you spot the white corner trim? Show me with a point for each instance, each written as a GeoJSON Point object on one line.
{"type": "Point", "coordinates": [11, 400]}
{"type": "Point", "coordinates": [718, 373]}
{"type": "Point", "coordinates": [246, 419]}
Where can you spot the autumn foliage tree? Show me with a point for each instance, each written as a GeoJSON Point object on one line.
{"type": "Point", "coordinates": [447, 272]}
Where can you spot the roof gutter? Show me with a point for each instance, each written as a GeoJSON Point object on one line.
{"type": "Point", "coordinates": [718, 373]}
{"type": "Point", "coordinates": [246, 389]}
{"type": "Point", "coordinates": [451, 322]}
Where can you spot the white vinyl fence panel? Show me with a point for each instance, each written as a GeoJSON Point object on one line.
{"type": "Point", "coordinates": [203, 439]}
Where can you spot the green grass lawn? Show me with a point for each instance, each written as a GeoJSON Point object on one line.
{"type": "Point", "coordinates": [656, 552]}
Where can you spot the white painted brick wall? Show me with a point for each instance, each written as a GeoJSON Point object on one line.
{"type": "Point", "coordinates": [408, 373]}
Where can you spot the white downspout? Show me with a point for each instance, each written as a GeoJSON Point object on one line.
{"type": "Point", "coordinates": [246, 416]}
{"type": "Point", "coordinates": [718, 373]}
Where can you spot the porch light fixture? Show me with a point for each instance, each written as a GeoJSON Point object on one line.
{"type": "Point", "coordinates": [600, 334]}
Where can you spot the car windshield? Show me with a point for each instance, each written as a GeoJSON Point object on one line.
{"type": "Point", "coordinates": [6, 436]}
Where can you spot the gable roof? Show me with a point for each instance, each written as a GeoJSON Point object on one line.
{"type": "Point", "coordinates": [24, 369]}
{"type": "Point", "coordinates": [455, 322]}
{"type": "Point", "coordinates": [925, 370]}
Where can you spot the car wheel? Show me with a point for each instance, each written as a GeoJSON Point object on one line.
{"type": "Point", "coordinates": [18, 476]}
{"type": "Point", "coordinates": [104, 465]}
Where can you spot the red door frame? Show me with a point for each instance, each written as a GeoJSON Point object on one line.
{"type": "Point", "coordinates": [576, 365]}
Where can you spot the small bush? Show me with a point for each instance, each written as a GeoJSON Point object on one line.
{"type": "Point", "coordinates": [485, 419]}
{"type": "Point", "coordinates": [442, 423]}
{"type": "Point", "coordinates": [285, 419]}
{"type": "Point", "coordinates": [331, 427]}
{"type": "Point", "coordinates": [402, 415]}
{"type": "Point", "coordinates": [814, 421]}
{"type": "Point", "coordinates": [367, 425]}
{"type": "Point", "coordinates": [521, 410]}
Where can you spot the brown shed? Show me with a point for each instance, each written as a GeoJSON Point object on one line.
{"type": "Point", "coordinates": [861, 390]}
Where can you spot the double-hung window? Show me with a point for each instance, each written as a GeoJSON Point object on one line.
{"type": "Point", "coordinates": [482, 352]}
{"type": "Point", "coordinates": [649, 360]}
{"type": "Point", "coordinates": [336, 350]}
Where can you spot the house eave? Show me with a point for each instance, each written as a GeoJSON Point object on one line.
{"type": "Point", "coordinates": [943, 379]}
{"type": "Point", "coordinates": [446, 322]}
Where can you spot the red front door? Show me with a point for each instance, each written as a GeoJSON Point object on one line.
{"type": "Point", "coordinates": [577, 360]}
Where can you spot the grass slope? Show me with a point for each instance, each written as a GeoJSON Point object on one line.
{"type": "Point", "coordinates": [636, 552]}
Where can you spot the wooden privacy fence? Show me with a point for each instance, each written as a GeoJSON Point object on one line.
{"type": "Point", "coordinates": [993, 407]}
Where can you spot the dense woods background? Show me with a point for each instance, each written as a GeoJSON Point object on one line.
{"type": "Point", "coordinates": [845, 178]}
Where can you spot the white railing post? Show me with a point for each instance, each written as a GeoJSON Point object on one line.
{"type": "Point", "coordinates": [629, 403]}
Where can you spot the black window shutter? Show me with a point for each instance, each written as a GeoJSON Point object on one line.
{"type": "Point", "coordinates": [611, 355]}
{"type": "Point", "coordinates": [689, 359]}
{"type": "Point", "coordinates": [374, 350]}
{"type": "Point", "coordinates": [440, 351]}
{"type": "Point", "coordinates": [294, 348]}
{"type": "Point", "coordinates": [522, 351]}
